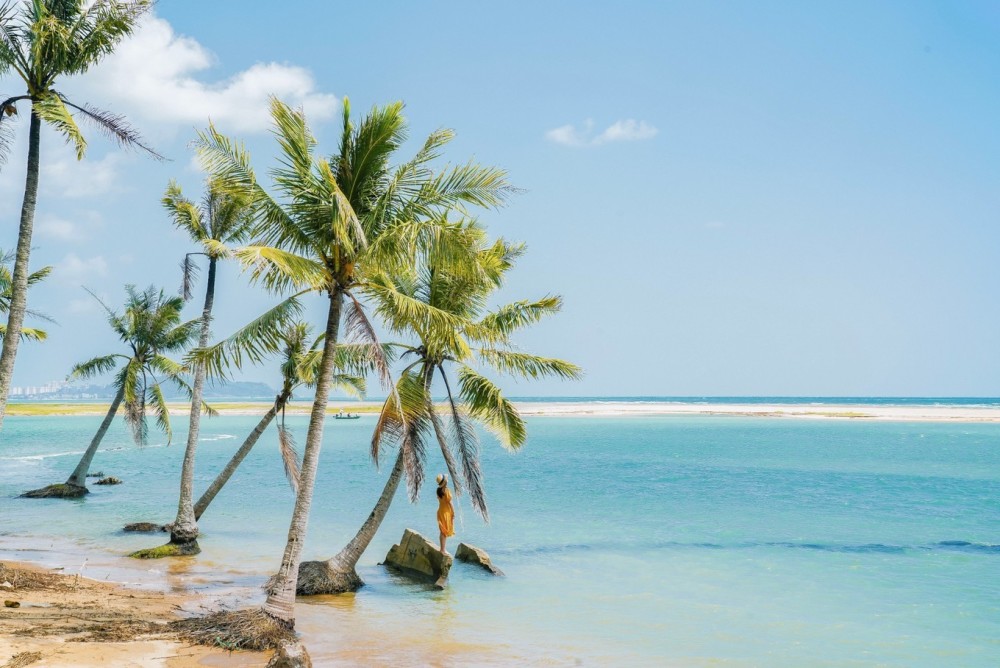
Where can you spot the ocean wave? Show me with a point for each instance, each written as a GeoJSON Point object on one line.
{"type": "Point", "coordinates": [220, 437]}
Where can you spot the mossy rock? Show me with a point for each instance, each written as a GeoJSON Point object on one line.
{"type": "Point", "coordinates": [144, 527]}
{"type": "Point", "coordinates": [110, 480]}
{"type": "Point", "coordinates": [169, 550]}
{"type": "Point", "coordinates": [57, 491]}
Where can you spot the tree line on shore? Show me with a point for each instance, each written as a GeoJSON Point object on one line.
{"type": "Point", "coordinates": [377, 238]}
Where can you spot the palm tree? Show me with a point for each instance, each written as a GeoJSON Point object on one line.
{"type": "Point", "coordinates": [298, 368]}
{"type": "Point", "coordinates": [27, 333]}
{"type": "Point", "coordinates": [150, 327]}
{"type": "Point", "coordinates": [221, 220]}
{"type": "Point", "coordinates": [334, 222]}
{"type": "Point", "coordinates": [414, 420]}
{"type": "Point", "coordinates": [42, 41]}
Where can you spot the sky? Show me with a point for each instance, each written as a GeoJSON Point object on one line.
{"type": "Point", "coordinates": [732, 198]}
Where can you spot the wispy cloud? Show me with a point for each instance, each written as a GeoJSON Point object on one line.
{"type": "Point", "coordinates": [155, 75]}
{"type": "Point", "coordinates": [627, 129]}
{"type": "Point", "coordinates": [65, 176]}
{"type": "Point", "coordinates": [75, 269]}
{"type": "Point", "coordinates": [58, 229]}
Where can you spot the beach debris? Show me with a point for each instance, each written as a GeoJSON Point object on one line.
{"type": "Point", "coordinates": [416, 556]}
{"type": "Point", "coordinates": [11, 604]}
{"type": "Point", "coordinates": [58, 491]}
{"type": "Point", "coordinates": [99, 474]}
{"type": "Point", "coordinates": [471, 554]}
{"type": "Point", "coordinates": [251, 629]}
{"type": "Point", "coordinates": [290, 655]}
{"type": "Point", "coordinates": [6, 585]}
{"type": "Point", "coordinates": [110, 480]}
{"type": "Point", "coordinates": [22, 659]}
{"type": "Point", "coordinates": [144, 527]}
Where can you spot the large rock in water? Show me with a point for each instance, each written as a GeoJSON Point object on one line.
{"type": "Point", "coordinates": [290, 655]}
{"type": "Point", "coordinates": [417, 556]}
{"type": "Point", "coordinates": [474, 555]}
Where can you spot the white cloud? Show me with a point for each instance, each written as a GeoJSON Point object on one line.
{"type": "Point", "coordinates": [74, 269]}
{"type": "Point", "coordinates": [66, 176]}
{"type": "Point", "coordinates": [153, 74]}
{"type": "Point", "coordinates": [627, 129]}
{"type": "Point", "coordinates": [58, 229]}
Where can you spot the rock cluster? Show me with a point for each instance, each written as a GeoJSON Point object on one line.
{"type": "Point", "coordinates": [416, 556]}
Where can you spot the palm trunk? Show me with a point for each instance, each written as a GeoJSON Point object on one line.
{"type": "Point", "coordinates": [19, 280]}
{"type": "Point", "coordinates": [280, 602]}
{"type": "Point", "coordinates": [185, 528]}
{"type": "Point", "coordinates": [237, 459]}
{"type": "Point", "coordinates": [338, 574]}
{"type": "Point", "coordinates": [79, 476]}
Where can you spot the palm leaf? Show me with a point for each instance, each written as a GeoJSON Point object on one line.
{"type": "Point", "coordinates": [289, 457]}
{"type": "Point", "coordinates": [486, 403]}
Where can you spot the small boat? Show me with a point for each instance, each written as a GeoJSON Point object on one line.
{"type": "Point", "coordinates": [347, 416]}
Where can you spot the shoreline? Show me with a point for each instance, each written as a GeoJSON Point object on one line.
{"type": "Point", "coordinates": [64, 620]}
{"type": "Point", "coordinates": [832, 411]}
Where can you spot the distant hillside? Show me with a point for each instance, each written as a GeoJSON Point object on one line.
{"type": "Point", "coordinates": [213, 390]}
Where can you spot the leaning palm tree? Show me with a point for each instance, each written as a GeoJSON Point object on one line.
{"type": "Point", "coordinates": [333, 223]}
{"type": "Point", "coordinates": [150, 327]}
{"type": "Point", "coordinates": [6, 283]}
{"type": "Point", "coordinates": [42, 41]}
{"type": "Point", "coordinates": [299, 364]}
{"type": "Point", "coordinates": [414, 420]}
{"type": "Point", "coordinates": [222, 219]}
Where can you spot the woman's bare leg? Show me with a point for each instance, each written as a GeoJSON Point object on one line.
{"type": "Point", "coordinates": [443, 539]}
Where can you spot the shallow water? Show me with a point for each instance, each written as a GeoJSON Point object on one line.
{"type": "Point", "coordinates": [637, 541]}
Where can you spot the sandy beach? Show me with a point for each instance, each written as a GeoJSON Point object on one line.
{"type": "Point", "coordinates": [56, 620]}
{"type": "Point", "coordinates": [884, 412]}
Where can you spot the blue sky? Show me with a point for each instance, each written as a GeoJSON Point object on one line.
{"type": "Point", "coordinates": [733, 198]}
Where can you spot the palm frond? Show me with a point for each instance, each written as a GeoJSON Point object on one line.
{"type": "Point", "coordinates": [251, 343]}
{"type": "Point", "coordinates": [463, 437]}
{"type": "Point", "coordinates": [155, 397]}
{"type": "Point", "coordinates": [279, 270]}
{"type": "Point", "coordinates": [359, 328]}
{"type": "Point", "coordinates": [528, 366]}
{"type": "Point", "coordinates": [50, 108]}
{"type": "Point", "coordinates": [97, 366]}
{"type": "Point", "coordinates": [114, 126]}
{"type": "Point", "coordinates": [486, 403]}
{"type": "Point", "coordinates": [501, 323]}
{"type": "Point", "coordinates": [289, 457]}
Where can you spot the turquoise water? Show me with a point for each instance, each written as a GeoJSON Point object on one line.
{"type": "Point", "coordinates": [689, 541]}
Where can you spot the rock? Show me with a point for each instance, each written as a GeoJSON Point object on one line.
{"type": "Point", "coordinates": [290, 655]}
{"type": "Point", "coordinates": [6, 585]}
{"type": "Point", "coordinates": [59, 491]}
{"type": "Point", "coordinates": [110, 480]}
{"type": "Point", "coordinates": [320, 577]}
{"type": "Point", "coordinates": [11, 604]}
{"type": "Point", "coordinates": [471, 554]}
{"type": "Point", "coordinates": [417, 556]}
{"type": "Point", "coordinates": [144, 527]}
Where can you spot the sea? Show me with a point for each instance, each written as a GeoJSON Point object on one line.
{"type": "Point", "coordinates": [625, 541]}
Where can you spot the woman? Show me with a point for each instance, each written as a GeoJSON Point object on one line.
{"type": "Point", "coordinates": [446, 512]}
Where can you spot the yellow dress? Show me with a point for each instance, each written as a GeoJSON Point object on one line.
{"type": "Point", "coordinates": [446, 514]}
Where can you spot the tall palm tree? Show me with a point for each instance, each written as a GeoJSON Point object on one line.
{"type": "Point", "coordinates": [42, 41]}
{"type": "Point", "coordinates": [410, 423]}
{"type": "Point", "coordinates": [6, 289]}
{"type": "Point", "coordinates": [150, 327]}
{"type": "Point", "coordinates": [333, 222]}
{"type": "Point", "coordinates": [298, 368]}
{"type": "Point", "coordinates": [222, 219]}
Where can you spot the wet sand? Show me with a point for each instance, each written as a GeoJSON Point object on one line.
{"type": "Point", "coordinates": [72, 621]}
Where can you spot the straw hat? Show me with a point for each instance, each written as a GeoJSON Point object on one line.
{"type": "Point", "coordinates": [441, 480]}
